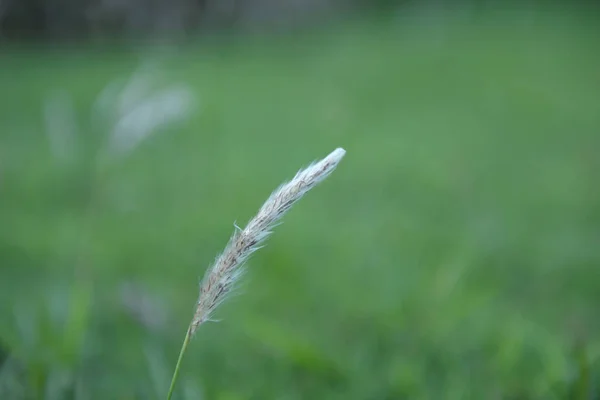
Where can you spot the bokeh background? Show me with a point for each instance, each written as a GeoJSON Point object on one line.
{"type": "Point", "coordinates": [454, 254]}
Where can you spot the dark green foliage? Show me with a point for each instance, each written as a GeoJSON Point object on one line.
{"type": "Point", "coordinates": [454, 253]}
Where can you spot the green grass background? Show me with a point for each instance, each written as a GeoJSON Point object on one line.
{"type": "Point", "coordinates": [454, 254]}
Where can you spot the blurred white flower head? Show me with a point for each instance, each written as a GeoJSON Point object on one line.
{"type": "Point", "coordinates": [127, 112]}
{"type": "Point", "coordinates": [139, 109]}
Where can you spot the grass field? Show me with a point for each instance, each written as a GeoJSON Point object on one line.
{"type": "Point", "coordinates": [454, 254]}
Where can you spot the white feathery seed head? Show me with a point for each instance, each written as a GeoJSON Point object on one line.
{"type": "Point", "coordinates": [222, 276]}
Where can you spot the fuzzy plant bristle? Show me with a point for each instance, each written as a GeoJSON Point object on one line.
{"type": "Point", "coordinates": [221, 278]}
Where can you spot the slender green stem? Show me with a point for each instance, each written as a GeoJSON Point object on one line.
{"type": "Point", "coordinates": [184, 346]}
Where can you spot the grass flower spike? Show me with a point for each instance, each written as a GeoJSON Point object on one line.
{"type": "Point", "coordinates": [228, 267]}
